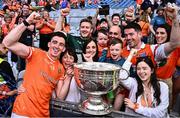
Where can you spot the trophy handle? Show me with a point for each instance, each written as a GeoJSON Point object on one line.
{"type": "Point", "coordinates": [123, 74]}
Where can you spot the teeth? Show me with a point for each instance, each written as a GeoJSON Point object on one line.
{"type": "Point", "coordinates": [142, 75]}
{"type": "Point", "coordinates": [55, 50]}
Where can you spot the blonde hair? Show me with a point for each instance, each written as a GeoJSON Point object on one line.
{"type": "Point", "coordinates": [144, 17]}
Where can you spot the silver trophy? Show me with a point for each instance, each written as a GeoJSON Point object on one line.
{"type": "Point", "coordinates": [96, 79]}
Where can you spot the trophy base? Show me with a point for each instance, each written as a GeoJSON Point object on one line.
{"type": "Point", "coordinates": [95, 106]}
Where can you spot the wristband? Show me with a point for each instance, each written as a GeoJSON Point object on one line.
{"type": "Point", "coordinates": [26, 23]}
{"type": "Point", "coordinates": [136, 106]}
{"type": "Point", "coordinates": [4, 93]}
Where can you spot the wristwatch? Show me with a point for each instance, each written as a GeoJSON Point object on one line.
{"type": "Point", "coordinates": [26, 23]}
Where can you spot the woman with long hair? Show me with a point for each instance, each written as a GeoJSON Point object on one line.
{"type": "Point", "coordinates": [148, 96]}
{"type": "Point", "coordinates": [166, 67]}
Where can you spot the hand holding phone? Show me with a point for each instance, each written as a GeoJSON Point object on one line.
{"type": "Point", "coordinates": [104, 10]}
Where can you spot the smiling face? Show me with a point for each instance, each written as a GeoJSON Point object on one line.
{"type": "Point", "coordinates": [144, 71]}
{"type": "Point", "coordinates": [25, 10]}
{"type": "Point", "coordinates": [114, 32]}
{"type": "Point", "coordinates": [91, 48]}
{"type": "Point", "coordinates": [161, 35]}
{"type": "Point", "coordinates": [85, 29]}
{"type": "Point", "coordinates": [115, 20]}
{"type": "Point", "coordinates": [67, 60]}
{"type": "Point", "coordinates": [56, 46]}
{"type": "Point", "coordinates": [133, 38]}
{"type": "Point", "coordinates": [115, 51]}
{"type": "Point", "coordinates": [45, 15]}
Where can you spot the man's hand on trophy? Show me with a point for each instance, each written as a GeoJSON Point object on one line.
{"type": "Point", "coordinates": [133, 52]}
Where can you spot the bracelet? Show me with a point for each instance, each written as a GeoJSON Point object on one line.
{"type": "Point", "coordinates": [4, 93]}
{"type": "Point", "coordinates": [136, 106]}
{"type": "Point", "coordinates": [26, 23]}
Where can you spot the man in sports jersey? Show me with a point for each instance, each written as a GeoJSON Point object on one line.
{"type": "Point", "coordinates": [133, 38]}
{"type": "Point", "coordinates": [43, 71]}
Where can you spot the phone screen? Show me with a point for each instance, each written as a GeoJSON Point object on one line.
{"type": "Point", "coordinates": [104, 10]}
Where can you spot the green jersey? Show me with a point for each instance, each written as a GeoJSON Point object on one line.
{"type": "Point", "coordinates": [76, 43]}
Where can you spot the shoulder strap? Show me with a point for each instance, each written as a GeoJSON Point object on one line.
{"type": "Point", "coordinates": [143, 25]}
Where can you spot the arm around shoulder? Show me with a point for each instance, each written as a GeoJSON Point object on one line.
{"type": "Point", "coordinates": [175, 35]}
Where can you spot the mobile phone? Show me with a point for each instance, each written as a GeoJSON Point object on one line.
{"type": "Point", "coordinates": [104, 10]}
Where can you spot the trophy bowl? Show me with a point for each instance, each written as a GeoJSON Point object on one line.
{"type": "Point", "coordinates": [96, 79]}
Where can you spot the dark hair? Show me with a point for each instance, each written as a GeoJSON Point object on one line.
{"type": "Point", "coordinates": [103, 20]}
{"type": "Point", "coordinates": [159, 9]}
{"type": "Point", "coordinates": [95, 58]}
{"type": "Point", "coordinates": [5, 8]}
{"type": "Point", "coordinates": [86, 20]}
{"type": "Point", "coordinates": [25, 4]}
{"type": "Point", "coordinates": [133, 25]}
{"type": "Point", "coordinates": [153, 79]}
{"type": "Point", "coordinates": [71, 52]}
{"type": "Point", "coordinates": [167, 29]}
{"type": "Point", "coordinates": [59, 34]}
{"type": "Point", "coordinates": [116, 14]}
{"type": "Point", "coordinates": [103, 30]}
{"type": "Point", "coordinates": [146, 4]}
{"type": "Point", "coordinates": [115, 41]}
{"type": "Point", "coordinates": [89, 18]}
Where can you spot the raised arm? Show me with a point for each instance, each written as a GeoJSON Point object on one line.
{"type": "Point", "coordinates": [172, 12]}
{"type": "Point", "coordinates": [127, 81]}
{"type": "Point", "coordinates": [60, 21]}
{"type": "Point", "coordinates": [94, 19]}
{"type": "Point", "coordinates": [64, 85]}
{"type": "Point", "coordinates": [109, 20]}
{"type": "Point", "coordinates": [11, 40]}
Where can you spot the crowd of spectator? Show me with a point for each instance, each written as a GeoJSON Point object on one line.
{"type": "Point", "coordinates": [144, 40]}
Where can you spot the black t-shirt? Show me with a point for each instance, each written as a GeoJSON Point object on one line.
{"type": "Point", "coordinates": [26, 37]}
{"type": "Point", "coordinates": [76, 43]}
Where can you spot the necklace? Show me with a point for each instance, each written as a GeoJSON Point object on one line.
{"type": "Point", "coordinates": [147, 96]}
